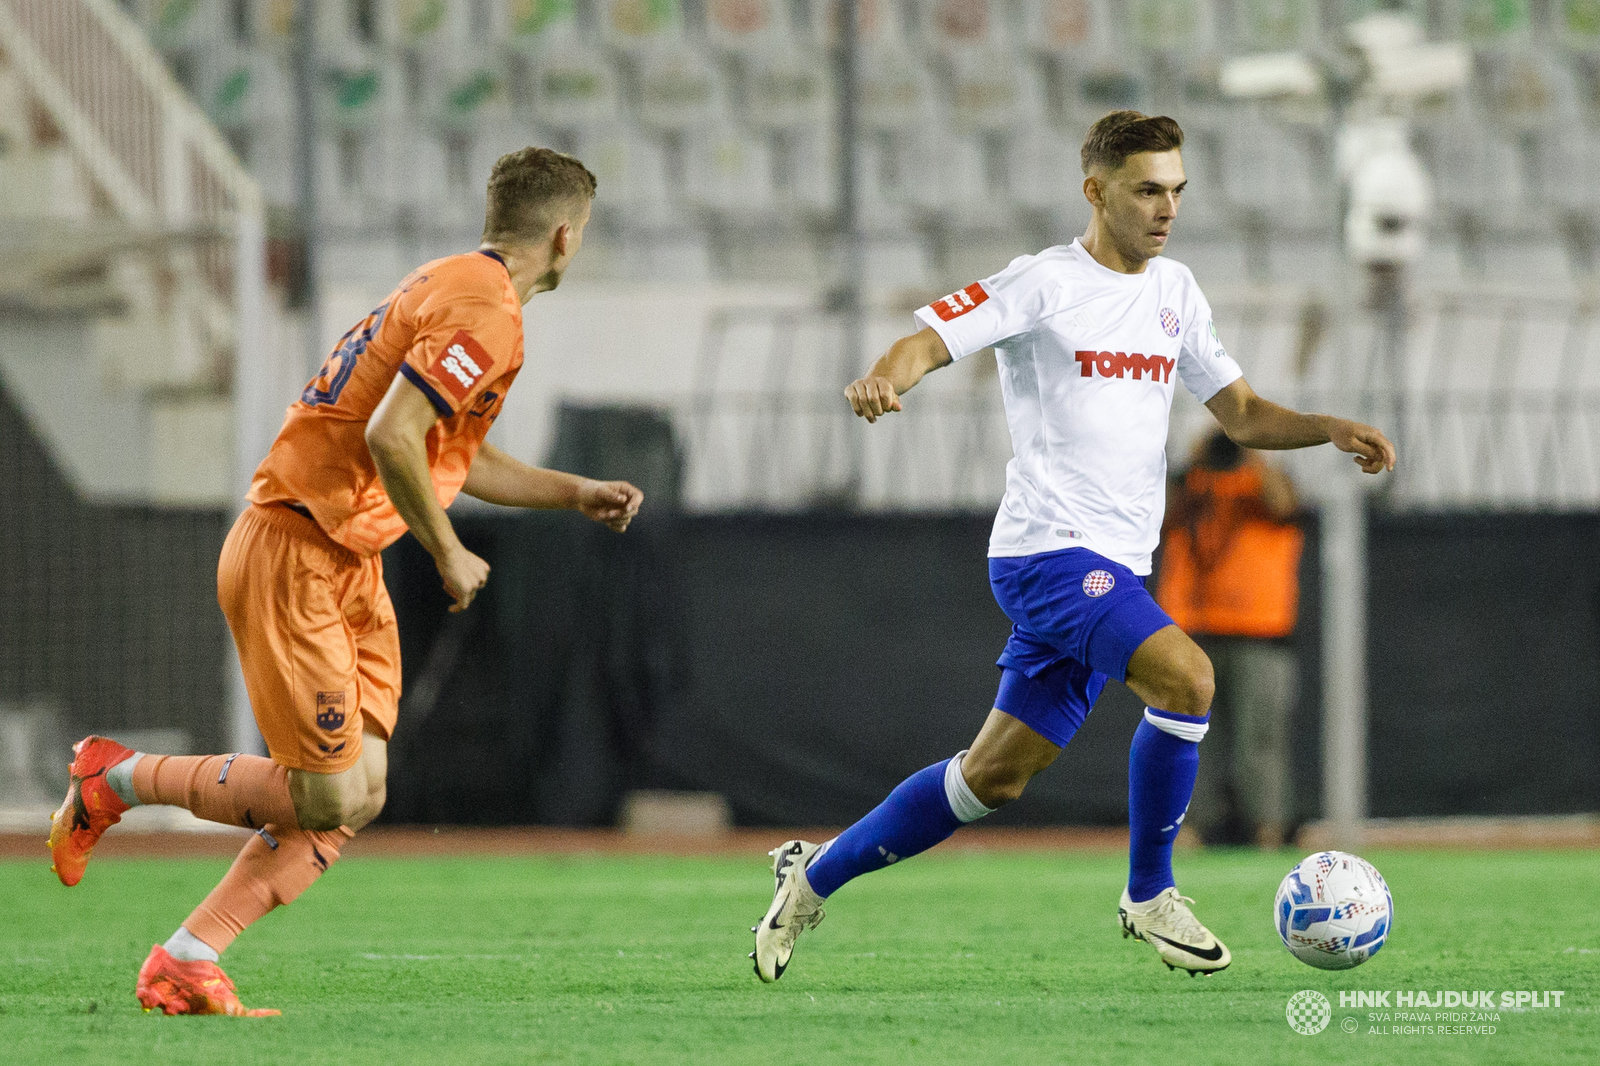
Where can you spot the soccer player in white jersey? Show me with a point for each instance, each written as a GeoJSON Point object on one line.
{"type": "Point", "coordinates": [1090, 339]}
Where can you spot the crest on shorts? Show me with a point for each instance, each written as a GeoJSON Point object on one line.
{"type": "Point", "coordinates": [1169, 322]}
{"type": "Point", "coordinates": [330, 711]}
{"type": "Point", "coordinates": [1098, 582]}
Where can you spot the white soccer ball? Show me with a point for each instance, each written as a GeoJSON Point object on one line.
{"type": "Point", "coordinates": [1333, 911]}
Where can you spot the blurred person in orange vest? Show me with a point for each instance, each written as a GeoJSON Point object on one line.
{"type": "Point", "coordinates": [1230, 578]}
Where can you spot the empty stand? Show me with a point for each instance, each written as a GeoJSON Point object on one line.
{"type": "Point", "coordinates": [715, 118]}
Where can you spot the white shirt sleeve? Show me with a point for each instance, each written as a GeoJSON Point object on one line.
{"type": "Point", "coordinates": [987, 312]}
{"type": "Point", "coordinates": [1204, 365]}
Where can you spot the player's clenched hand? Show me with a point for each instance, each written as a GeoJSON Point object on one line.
{"type": "Point", "coordinates": [872, 397]}
{"type": "Point", "coordinates": [1371, 448]}
{"type": "Point", "coordinates": [463, 573]}
{"type": "Point", "coordinates": [613, 503]}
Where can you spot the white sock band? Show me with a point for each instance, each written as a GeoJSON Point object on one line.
{"type": "Point", "coordinates": [963, 803]}
{"type": "Point", "coordinates": [1191, 729]}
{"type": "Point", "coordinates": [186, 947]}
{"type": "Point", "coordinates": [120, 778]}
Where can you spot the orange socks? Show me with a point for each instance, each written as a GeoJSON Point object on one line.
{"type": "Point", "coordinates": [276, 865]}
{"type": "Point", "coordinates": [242, 790]}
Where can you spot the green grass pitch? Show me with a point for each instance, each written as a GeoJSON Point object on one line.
{"type": "Point", "coordinates": [976, 958]}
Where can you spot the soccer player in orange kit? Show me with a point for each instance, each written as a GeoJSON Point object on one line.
{"type": "Point", "coordinates": [380, 442]}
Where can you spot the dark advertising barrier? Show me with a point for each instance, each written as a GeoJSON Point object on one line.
{"type": "Point", "coordinates": [803, 665]}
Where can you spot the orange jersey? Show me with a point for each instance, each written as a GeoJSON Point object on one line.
{"type": "Point", "coordinates": [454, 330]}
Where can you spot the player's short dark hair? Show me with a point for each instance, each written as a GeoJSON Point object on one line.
{"type": "Point", "coordinates": [1123, 133]}
{"type": "Point", "coordinates": [530, 189]}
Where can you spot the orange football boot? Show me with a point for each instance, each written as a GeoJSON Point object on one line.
{"type": "Point", "coordinates": [91, 807]}
{"type": "Point", "coordinates": [198, 987]}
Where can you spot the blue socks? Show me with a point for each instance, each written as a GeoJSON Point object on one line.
{"type": "Point", "coordinates": [923, 809]}
{"type": "Point", "coordinates": [934, 802]}
{"type": "Point", "coordinates": [1162, 764]}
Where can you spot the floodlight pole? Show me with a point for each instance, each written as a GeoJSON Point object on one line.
{"type": "Point", "coordinates": [1345, 710]}
{"type": "Point", "coordinates": [309, 214]}
{"type": "Point", "coordinates": [848, 299]}
{"type": "Point", "coordinates": [1344, 656]}
{"type": "Point", "coordinates": [254, 425]}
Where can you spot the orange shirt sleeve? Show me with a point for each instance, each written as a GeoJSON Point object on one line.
{"type": "Point", "coordinates": [464, 342]}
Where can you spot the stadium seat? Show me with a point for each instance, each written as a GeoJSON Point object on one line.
{"type": "Point", "coordinates": [1578, 29]}
{"type": "Point", "coordinates": [1488, 26]}
{"type": "Point", "coordinates": [784, 88]}
{"type": "Point", "coordinates": [727, 172]}
{"type": "Point", "coordinates": [779, 96]}
{"type": "Point", "coordinates": [1474, 170]}
{"type": "Point", "coordinates": [530, 24]}
{"type": "Point", "coordinates": [575, 87]}
{"type": "Point", "coordinates": [962, 25]}
{"type": "Point", "coordinates": [1064, 27]}
{"type": "Point", "coordinates": [364, 129]}
{"type": "Point", "coordinates": [632, 171]}
{"type": "Point", "coordinates": [1267, 169]}
{"type": "Point", "coordinates": [640, 26]}
{"type": "Point", "coordinates": [1272, 25]}
{"type": "Point", "coordinates": [1521, 90]}
{"type": "Point", "coordinates": [1102, 83]}
{"type": "Point", "coordinates": [249, 95]}
{"type": "Point", "coordinates": [1171, 26]}
{"type": "Point", "coordinates": [1044, 173]}
{"type": "Point", "coordinates": [679, 87]}
{"type": "Point", "coordinates": [988, 88]}
{"type": "Point", "coordinates": [747, 25]}
{"type": "Point", "coordinates": [178, 27]}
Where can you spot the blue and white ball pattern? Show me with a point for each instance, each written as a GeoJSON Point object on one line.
{"type": "Point", "coordinates": [1334, 911]}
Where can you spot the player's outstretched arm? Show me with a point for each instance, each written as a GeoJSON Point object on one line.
{"type": "Point", "coordinates": [496, 477]}
{"type": "Point", "coordinates": [397, 437]}
{"type": "Point", "coordinates": [906, 362]}
{"type": "Point", "coordinates": [1253, 422]}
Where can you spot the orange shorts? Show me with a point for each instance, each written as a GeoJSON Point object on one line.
{"type": "Point", "coordinates": [316, 635]}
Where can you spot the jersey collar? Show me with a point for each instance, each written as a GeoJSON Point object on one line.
{"type": "Point", "coordinates": [1101, 270]}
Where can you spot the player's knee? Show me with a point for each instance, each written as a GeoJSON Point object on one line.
{"type": "Point", "coordinates": [326, 809]}
{"type": "Point", "coordinates": [320, 817]}
{"type": "Point", "coordinates": [376, 798]}
{"type": "Point", "coordinates": [1196, 689]}
{"type": "Point", "coordinates": [995, 784]}
{"type": "Point", "coordinates": [1000, 793]}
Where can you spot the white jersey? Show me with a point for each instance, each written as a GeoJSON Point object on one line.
{"type": "Point", "coordinates": [1086, 358]}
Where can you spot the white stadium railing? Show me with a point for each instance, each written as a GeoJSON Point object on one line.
{"type": "Point", "coordinates": [161, 166]}
{"type": "Point", "coordinates": [162, 170]}
{"type": "Point", "coordinates": [1492, 398]}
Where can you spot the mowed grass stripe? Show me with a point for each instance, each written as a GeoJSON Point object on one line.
{"type": "Point", "coordinates": [971, 958]}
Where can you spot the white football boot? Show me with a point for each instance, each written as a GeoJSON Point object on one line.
{"type": "Point", "coordinates": [1167, 924]}
{"type": "Point", "coordinates": [795, 908]}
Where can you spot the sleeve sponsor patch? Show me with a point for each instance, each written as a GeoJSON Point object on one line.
{"type": "Point", "coordinates": [461, 366]}
{"type": "Point", "coordinates": [959, 303]}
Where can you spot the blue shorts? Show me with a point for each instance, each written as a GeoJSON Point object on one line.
{"type": "Point", "coordinates": [1076, 619]}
